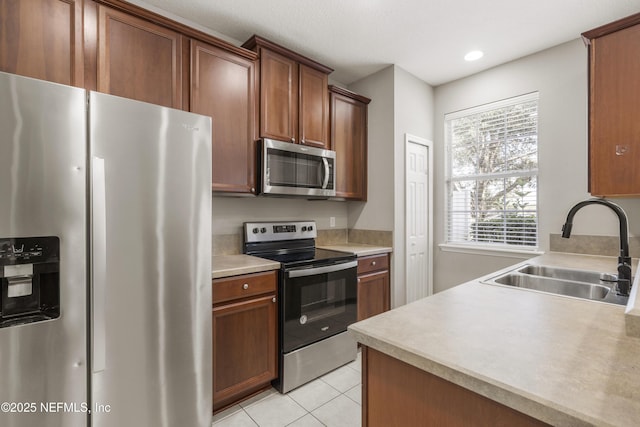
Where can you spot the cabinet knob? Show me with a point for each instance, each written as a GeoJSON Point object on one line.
{"type": "Point", "coordinates": [373, 263]}
{"type": "Point", "coordinates": [245, 286]}
{"type": "Point", "coordinates": [253, 190]}
{"type": "Point", "coordinates": [302, 141]}
{"type": "Point", "coordinates": [358, 280]}
{"type": "Point", "coordinates": [273, 299]}
{"type": "Point", "coordinates": [293, 140]}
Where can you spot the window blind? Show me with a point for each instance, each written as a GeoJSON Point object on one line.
{"type": "Point", "coordinates": [492, 173]}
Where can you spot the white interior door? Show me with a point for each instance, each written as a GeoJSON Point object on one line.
{"type": "Point", "coordinates": [418, 218]}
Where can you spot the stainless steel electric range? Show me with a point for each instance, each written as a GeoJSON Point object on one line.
{"type": "Point", "coordinates": [317, 294]}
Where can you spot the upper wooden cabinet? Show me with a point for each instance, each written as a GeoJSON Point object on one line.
{"type": "Point", "coordinates": [349, 140]}
{"type": "Point", "coordinates": [614, 108]}
{"type": "Point", "coordinates": [294, 102]}
{"type": "Point", "coordinates": [223, 86]}
{"type": "Point", "coordinates": [278, 96]}
{"type": "Point", "coordinates": [138, 59]}
{"type": "Point", "coordinates": [313, 107]}
{"type": "Point", "coordinates": [42, 39]}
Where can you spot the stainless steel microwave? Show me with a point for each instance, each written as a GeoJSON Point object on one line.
{"type": "Point", "coordinates": [296, 170]}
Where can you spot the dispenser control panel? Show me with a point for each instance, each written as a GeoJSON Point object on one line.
{"type": "Point", "coordinates": [29, 280]}
{"type": "Point", "coordinates": [28, 250]}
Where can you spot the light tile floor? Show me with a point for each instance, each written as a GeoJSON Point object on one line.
{"type": "Point", "coordinates": [333, 400]}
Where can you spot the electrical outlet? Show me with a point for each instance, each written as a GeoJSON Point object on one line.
{"type": "Point", "coordinates": [332, 221]}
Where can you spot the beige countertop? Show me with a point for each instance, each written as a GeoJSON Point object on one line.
{"type": "Point", "coordinates": [233, 265]}
{"type": "Point", "coordinates": [358, 248]}
{"type": "Point", "coordinates": [563, 360]}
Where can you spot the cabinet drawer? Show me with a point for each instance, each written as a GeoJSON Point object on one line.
{"type": "Point", "coordinates": [230, 288]}
{"type": "Point", "coordinates": [373, 263]}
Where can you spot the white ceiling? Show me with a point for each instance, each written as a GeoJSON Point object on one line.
{"type": "Point", "coordinates": [428, 38]}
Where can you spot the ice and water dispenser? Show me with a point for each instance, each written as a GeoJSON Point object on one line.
{"type": "Point", "coordinates": [29, 280]}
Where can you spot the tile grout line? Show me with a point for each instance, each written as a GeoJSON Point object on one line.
{"type": "Point", "coordinates": [307, 412]}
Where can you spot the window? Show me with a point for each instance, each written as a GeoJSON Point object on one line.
{"type": "Point", "coordinates": [492, 174]}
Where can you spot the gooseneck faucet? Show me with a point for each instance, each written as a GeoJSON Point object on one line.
{"type": "Point", "coordinates": [624, 261]}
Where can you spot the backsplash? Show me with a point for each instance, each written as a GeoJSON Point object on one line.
{"type": "Point", "coordinates": [231, 244]}
{"type": "Point", "coordinates": [365, 237]}
{"type": "Point", "coordinates": [227, 244]}
{"type": "Point", "coordinates": [331, 237]}
{"type": "Point", "coordinates": [371, 237]}
{"type": "Point", "coordinates": [593, 245]}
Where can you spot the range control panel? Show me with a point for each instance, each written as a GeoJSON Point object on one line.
{"type": "Point", "coordinates": [275, 231]}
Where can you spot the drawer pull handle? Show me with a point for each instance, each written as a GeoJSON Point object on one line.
{"type": "Point", "coordinates": [245, 286]}
{"type": "Point", "coordinates": [358, 280]}
{"type": "Point", "coordinates": [373, 263]}
{"type": "Point", "coordinates": [273, 299]}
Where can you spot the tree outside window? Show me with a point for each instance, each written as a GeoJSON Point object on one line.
{"type": "Point", "coordinates": [492, 173]}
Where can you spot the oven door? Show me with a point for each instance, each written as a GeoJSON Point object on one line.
{"type": "Point", "coordinates": [317, 302]}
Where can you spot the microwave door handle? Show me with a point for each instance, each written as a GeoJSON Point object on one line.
{"type": "Point", "coordinates": [322, 270]}
{"type": "Point", "coordinates": [326, 173]}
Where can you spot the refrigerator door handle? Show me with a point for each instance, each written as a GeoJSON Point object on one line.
{"type": "Point", "coordinates": [99, 263]}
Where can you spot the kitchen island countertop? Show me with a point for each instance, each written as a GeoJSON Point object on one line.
{"type": "Point", "coordinates": [562, 360]}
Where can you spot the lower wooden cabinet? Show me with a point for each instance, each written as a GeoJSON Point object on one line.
{"type": "Point", "coordinates": [397, 394]}
{"type": "Point", "coordinates": [244, 336]}
{"type": "Point", "coordinates": [373, 285]}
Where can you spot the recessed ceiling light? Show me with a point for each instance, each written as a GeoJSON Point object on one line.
{"type": "Point", "coordinates": [473, 55]}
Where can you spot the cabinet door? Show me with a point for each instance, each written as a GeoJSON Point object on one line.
{"type": "Point", "coordinates": [138, 60]}
{"type": "Point", "coordinates": [42, 39]}
{"type": "Point", "coordinates": [349, 141]}
{"type": "Point", "coordinates": [399, 394]}
{"type": "Point", "coordinates": [373, 294]}
{"type": "Point", "coordinates": [313, 111]}
{"type": "Point", "coordinates": [223, 86]}
{"type": "Point", "coordinates": [278, 96]}
{"type": "Point", "coordinates": [244, 348]}
{"type": "Point", "coordinates": [614, 107]}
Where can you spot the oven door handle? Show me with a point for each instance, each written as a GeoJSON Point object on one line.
{"type": "Point", "coordinates": [321, 270]}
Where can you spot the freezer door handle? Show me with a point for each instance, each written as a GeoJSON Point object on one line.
{"type": "Point", "coordinates": [99, 265]}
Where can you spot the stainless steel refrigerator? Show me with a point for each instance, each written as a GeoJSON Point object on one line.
{"type": "Point", "coordinates": [105, 260]}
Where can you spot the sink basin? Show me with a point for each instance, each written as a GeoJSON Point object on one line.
{"type": "Point", "coordinates": [567, 274]}
{"type": "Point", "coordinates": [555, 286]}
{"type": "Point", "coordinates": [583, 284]}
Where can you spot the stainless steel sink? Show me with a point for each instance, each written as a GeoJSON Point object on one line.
{"type": "Point", "coordinates": [555, 286]}
{"type": "Point", "coordinates": [583, 284]}
{"type": "Point", "coordinates": [567, 274]}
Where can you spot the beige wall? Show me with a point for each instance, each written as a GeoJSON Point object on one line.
{"type": "Point", "coordinates": [413, 114]}
{"type": "Point", "coordinates": [230, 212]}
{"type": "Point", "coordinates": [560, 76]}
{"type": "Point", "coordinates": [377, 212]}
{"type": "Point", "coordinates": [401, 103]}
